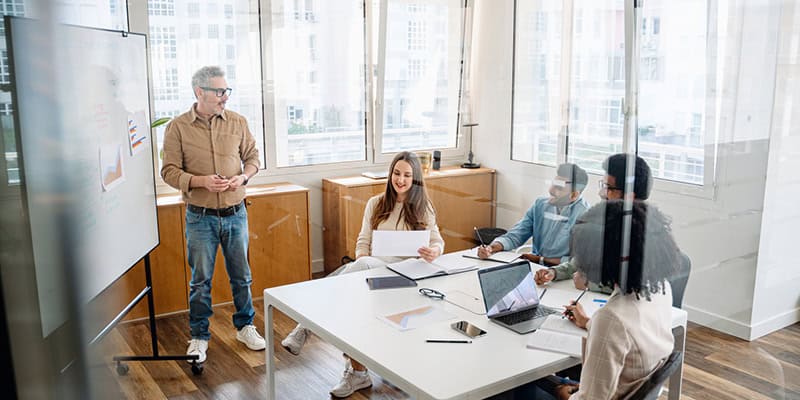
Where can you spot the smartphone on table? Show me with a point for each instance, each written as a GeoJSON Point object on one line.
{"type": "Point", "coordinates": [468, 329]}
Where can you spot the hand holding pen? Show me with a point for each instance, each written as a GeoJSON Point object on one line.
{"type": "Point", "coordinates": [484, 251]}
{"type": "Point", "coordinates": [575, 313]}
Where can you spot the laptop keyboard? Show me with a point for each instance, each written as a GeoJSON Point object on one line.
{"type": "Point", "coordinates": [526, 315]}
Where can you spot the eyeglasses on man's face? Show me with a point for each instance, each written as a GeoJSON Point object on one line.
{"type": "Point", "coordinates": [220, 92]}
{"type": "Point", "coordinates": [434, 294]}
{"type": "Point", "coordinates": [605, 186]}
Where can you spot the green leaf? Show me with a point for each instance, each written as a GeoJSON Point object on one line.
{"type": "Point", "coordinates": [160, 121]}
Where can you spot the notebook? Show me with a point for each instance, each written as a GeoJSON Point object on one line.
{"type": "Point", "coordinates": [558, 342]}
{"type": "Point", "coordinates": [504, 257]}
{"type": "Point", "coordinates": [417, 268]}
{"type": "Point", "coordinates": [511, 299]}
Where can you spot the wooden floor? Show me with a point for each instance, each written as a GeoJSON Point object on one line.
{"type": "Point", "coordinates": [718, 366]}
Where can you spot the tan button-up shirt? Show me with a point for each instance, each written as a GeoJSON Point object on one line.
{"type": "Point", "coordinates": [194, 147]}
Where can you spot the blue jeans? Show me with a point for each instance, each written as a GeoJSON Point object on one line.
{"type": "Point", "coordinates": [204, 234]}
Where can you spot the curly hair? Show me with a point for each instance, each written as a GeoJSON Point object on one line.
{"type": "Point", "coordinates": [597, 241]}
{"type": "Point", "coordinates": [415, 207]}
{"type": "Point", "coordinates": [616, 165]}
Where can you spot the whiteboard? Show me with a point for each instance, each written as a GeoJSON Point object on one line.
{"type": "Point", "coordinates": [93, 168]}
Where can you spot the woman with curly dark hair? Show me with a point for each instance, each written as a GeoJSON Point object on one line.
{"type": "Point", "coordinates": [633, 251]}
{"type": "Point", "coordinates": [627, 246]}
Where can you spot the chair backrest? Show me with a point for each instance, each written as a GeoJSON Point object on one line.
{"type": "Point", "coordinates": [679, 280]}
{"type": "Point", "coordinates": [652, 387]}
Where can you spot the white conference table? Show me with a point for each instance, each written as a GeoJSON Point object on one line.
{"type": "Point", "coordinates": [342, 311]}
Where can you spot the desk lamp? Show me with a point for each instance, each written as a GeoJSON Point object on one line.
{"type": "Point", "coordinates": [469, 164]}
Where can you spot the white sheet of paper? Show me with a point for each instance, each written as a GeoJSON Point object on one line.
{"type": "Point", "coordinates": [411, 319]}
{"type": "Point", "coordinates": [562, 325]}
{"type": "Point", "coordinates": [454, 262]}
{"type": "Point", "coordinates": [555, 341]}
{"type": "Point", "coordinates": [399, 243]}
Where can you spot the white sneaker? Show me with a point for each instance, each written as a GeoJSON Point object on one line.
{"type": "Point", "coordinates": [295, 340]}
{"type": "Point", "coordinates": [198, 347]}
{"type": "Point", "coordinates": [250, 337]}
{"type": "Point", "coordinates": [351, 381]}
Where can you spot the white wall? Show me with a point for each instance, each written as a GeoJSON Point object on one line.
{"type": "Point", "coordinates": [777, 297]}
{"type": "Point", "coordinates": [720, 230]}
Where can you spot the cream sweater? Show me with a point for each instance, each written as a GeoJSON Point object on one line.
{"type": "Point", "coordinates": [628, 339]}
{"type": "Point", "coordinates": [393, 223]}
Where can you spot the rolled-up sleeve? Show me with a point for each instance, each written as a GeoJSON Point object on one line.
{"type": "Point", "coordinates": [248, 150]}
{"type": "Point", "coordinates": [521, 231]}
{"type": "Point", "coordinates": [172, 170]}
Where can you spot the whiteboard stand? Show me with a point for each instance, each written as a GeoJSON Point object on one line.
{"type": "Point", "coordinates": [122, 367]}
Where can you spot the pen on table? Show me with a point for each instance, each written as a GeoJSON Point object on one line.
{"type": "Point", "coordinates": [543, 292]}
{"type": "Point", "coordinates": [566, 313]}
{"type": "Point", "coordinates": [447, 341]}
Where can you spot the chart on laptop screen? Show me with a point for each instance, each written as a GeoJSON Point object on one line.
{"type": "Point", "coordinates": [508, 288]}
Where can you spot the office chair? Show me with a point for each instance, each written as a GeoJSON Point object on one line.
{"type": "Point", "coordinates": [679, 280]}
{"type": "Point", "coordinates": [652, 387]}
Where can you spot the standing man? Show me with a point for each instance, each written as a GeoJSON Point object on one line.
{"type": "Point", "coordinates": [209, 155]}
{"type": "Point", "coordinates": [611, 187]}
{"type": "Point", "coordinates": [549, 220]}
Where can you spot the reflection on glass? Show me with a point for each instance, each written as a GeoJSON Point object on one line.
{"type": "Point", "coordinates": [320, 83]}
{"type": "Point", "coordinates": [672, 88]}
{"type": "Point", "coordinates": [597, 84]}
{"type": "Point", "coordinates": [420, 93]}
{"type": "Point", "coordinates": [537, 81]}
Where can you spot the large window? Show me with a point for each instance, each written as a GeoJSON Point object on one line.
{"type": "Point", "coordinates": [342, 80]}
{"type": "Point", "coordinates": [317, 65]}
{"type": "Point", "coordinates": [578, 116]}
{"type": "Point", "coordinates": [180, 21]}
{"type": "Point", "coordinates": [422, 74]}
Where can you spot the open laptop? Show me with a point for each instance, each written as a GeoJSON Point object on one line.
{"type": "Point", "coordinates": [511, 299]}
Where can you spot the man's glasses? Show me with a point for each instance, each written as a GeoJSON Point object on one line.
{"type": "Point", "coordinates": [218, 91]}
{"type": "Point", "coordinates": [434, 294]}
{"type": "Point", "coordinates": [605, 186]}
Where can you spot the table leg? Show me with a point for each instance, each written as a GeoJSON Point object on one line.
{"type": "Point", "coordinates": [269, 334]}
{"type": "Point", "coordinates": [675, 381]}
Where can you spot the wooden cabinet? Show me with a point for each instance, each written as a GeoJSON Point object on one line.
{"type": "Point", "coordinates": [279, 253]}
{"type": "Point", "coordinates": [463, 199]}
{"type": "Point", "coordinates": [280, 245]}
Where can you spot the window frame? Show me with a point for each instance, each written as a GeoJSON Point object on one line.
{"type": "Point", "coordinates": [463, 113]}
{"type": "Point", "coordinates": [633, 29]}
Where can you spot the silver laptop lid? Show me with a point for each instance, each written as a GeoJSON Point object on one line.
{"type": "Point", "coordinates": [508, 288]}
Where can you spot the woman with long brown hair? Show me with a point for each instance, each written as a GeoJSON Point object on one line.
{"type": "Point", "coordinates": [403, 206]}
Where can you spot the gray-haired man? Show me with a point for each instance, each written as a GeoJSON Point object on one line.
{"type": "Point", "coordinates": [209, 155]}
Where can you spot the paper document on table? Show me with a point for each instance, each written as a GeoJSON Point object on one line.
{"type": "Point", "coordinates": [558, 342]}
{"type": "Point", "coordinates": [500, 256]}
{"type": "Point", "coordinates": [417, 268]}
{"type": "Point", "coordinates": [415, 318]}
{"type": "Point", "coordinates": [399, 243]}
{"type": "Point", "coordinates": [453, 263]}
{"type": "Point", "coordinates": [562, 325]}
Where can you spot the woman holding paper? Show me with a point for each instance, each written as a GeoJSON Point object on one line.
{"type": "Point", "coordinates": [630, 337]}
{"type": "Point", "coordinates": [404, 206]}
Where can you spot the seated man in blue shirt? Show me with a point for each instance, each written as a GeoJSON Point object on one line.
{"type": "Point", "coordinates": [611, 187]}
{"type": "Point", "coordinates": [549, 220]}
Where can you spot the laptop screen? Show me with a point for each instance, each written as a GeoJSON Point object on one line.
{"type": "Point", "coordinates": [508, 288]}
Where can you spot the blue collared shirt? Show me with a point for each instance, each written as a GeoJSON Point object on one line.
{"type": "Point", "coordinates": [549, 229]}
